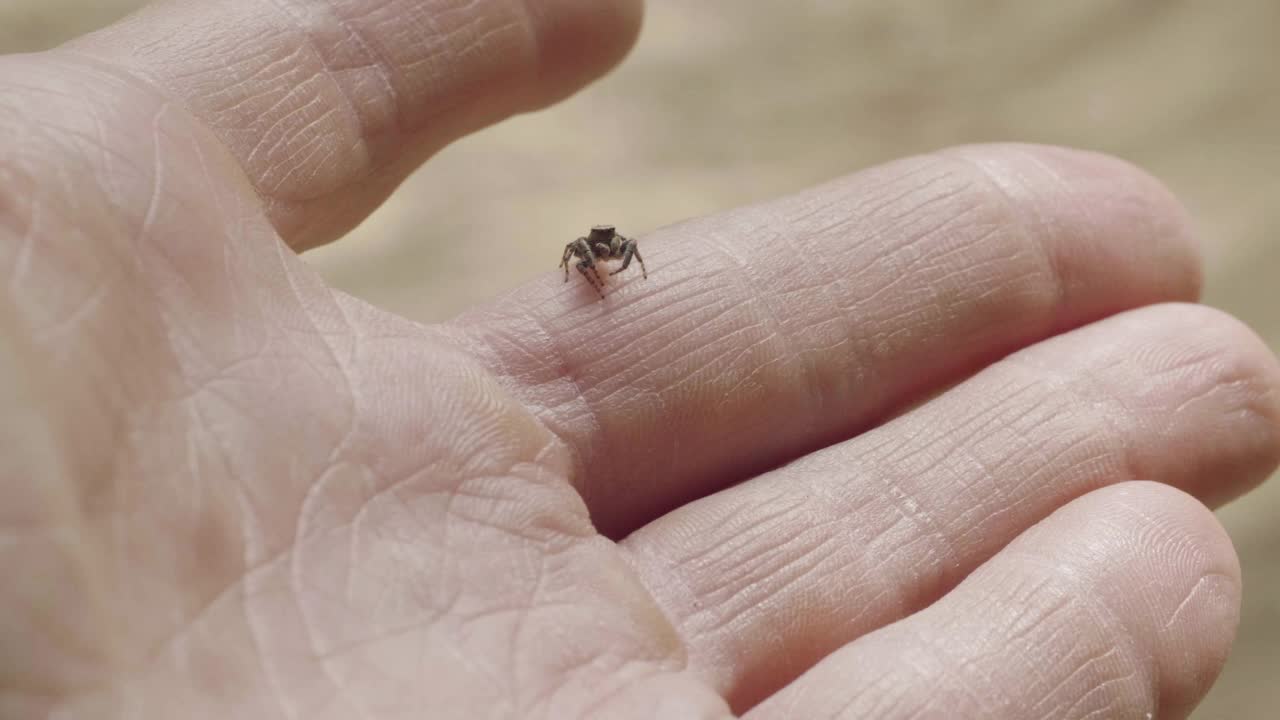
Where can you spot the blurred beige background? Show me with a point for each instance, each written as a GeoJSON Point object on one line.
{"type": "Point", "coordinates": [726, 102]}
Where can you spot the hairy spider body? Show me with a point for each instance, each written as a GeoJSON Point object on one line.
{"type": "Point", "coordinates": [602, 243]}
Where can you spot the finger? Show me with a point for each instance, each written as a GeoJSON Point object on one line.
{"type": "Point", "coordinates": [1122, 604]}
{"type": "Point", "coordinates": [767, 577]}
{"type": "Point", "coordinates": [329, 104]}
{"type": "Point", "coordinates": [770, 331]}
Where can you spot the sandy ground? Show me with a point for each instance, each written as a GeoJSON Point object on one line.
{"type": "Point", "coordinates": [726, 102]}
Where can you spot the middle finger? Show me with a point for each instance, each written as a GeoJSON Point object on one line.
{"type": "Point", "coordinates": [768, 577]}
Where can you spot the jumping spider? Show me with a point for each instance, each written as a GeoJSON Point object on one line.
{"type": "Point", "coordinates": [602, 243]}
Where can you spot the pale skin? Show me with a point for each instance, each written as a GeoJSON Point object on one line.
{"type": "Point", "coordinates": [233, 492]}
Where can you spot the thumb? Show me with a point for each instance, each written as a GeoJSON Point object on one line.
{"type": "Point", "coordinates": [330, 104]}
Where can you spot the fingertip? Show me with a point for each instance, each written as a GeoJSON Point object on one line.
{"type": "Point", "coordinates": [1217, 351]}
{"type": "Point", "coordinates": [1127, 219]}
{"type": "Point", "coordinates": [1177, 582]}
{"type": "Point", "coordinates": [580, 40]}
{"type": "Point", "coordinates": [1199, 390]}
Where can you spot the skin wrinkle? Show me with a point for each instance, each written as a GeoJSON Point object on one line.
{"type": "Point", "coordinates": [59, 329]}
{"type": "Point", "coordinates": [849, 215]}
{"type": "Point", "coordinates": [692, 595]}
{"type": "Point", "coordinates": [925, 226]}
{"type": "Point", "coordinates": [767, 566]}
{"type": "Point", "coordinates": [257, 626]}
{"type": "Point", "coordinates": [1242, 383]}
{"type": "Point", "coordinates": [381, 64]}
{"type": "Point", "coordinates": [1092, 667]}
{"type": "Point", "coordinates": [723, 402]}
{"type": "Point", "coordinates": [296, 586]}
{"type": "Point", "coordinates": [990, 433]}
{"type": "Point", "coordinates": [654, 378]}
{"type": "Point", "coordinates": [1191, 595]}
{"type": "Point", "coordinates": [1088, 390]}
{"type": "Point", "coordinates": [1103, 614]}
{"type": "Point", "coordinates": [928, 235]}
{"type": "Point", "coordinates": [744, 599]}
{"type": "Point", "coordinates": [295, 15]}
{"type": "Point", "coordinates": [1000, 501]}
{"type": "Point", "coordinates": [686, 324]}
{"type": "Point", "coordinates": [911, 224]}
{"type": "Point", "coordinates": [70, 60]}
{"type": "Point", "coordinates": [346, 392]}
{"type": "Point", "coordinates": [990, 513]}
{"type": "Point", "coordinates": [1079, 209]}
{"type": "Point", "coordinates": [912, 267]}
{"type": "Point", "coordinates": [257, 631]}
{"type": "Point", "coordinates": [303, 168]}
{"type": "Point", "coordinates": [952, 677]}
{"type": "Point", "coordinates": [1052, 572]}
{"type": "Point", "coordinates": [1016, 218]}
{"type": "Point", "coordinates": [867, 368]}
{"type": "Point", "coordinates": [500, 20]}
{"type": "Point", "coordinates": [937, 556]}
{"type": "Point", "coordinates": [585, 408]}
{"type": "Point", "coordinates": [585, 392]}
{"type": "Point", "coordinates": [702, 323]}
{"type": "Point", "coordinates": [280, 134]}
{"type": "Point", "coordinates": [1046, 616]}
{"type": "Point", "coordinates": [259, 71]}
{"type": "Point", "coordinates": [841, 348]}
{"type": "Point", "coordinates": [678, 310]}
{"type": "Point", "coordinates": [1047, 415]}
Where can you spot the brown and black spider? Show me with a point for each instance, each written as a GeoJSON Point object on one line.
{"type": "Point", "coordinates": [602, 243]}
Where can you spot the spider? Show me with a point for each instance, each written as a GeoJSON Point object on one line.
{"type": "Point", "coordinates": [602, 243]}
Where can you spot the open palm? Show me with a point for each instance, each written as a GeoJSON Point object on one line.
{"type": "Point", "coordinates": [867, 451]}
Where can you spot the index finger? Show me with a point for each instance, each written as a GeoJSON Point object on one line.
{"type": "Point", "coordinates": [768, 332]}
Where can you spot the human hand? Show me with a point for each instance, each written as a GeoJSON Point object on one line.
{"type": "Point", "coordinates": [233, 492]}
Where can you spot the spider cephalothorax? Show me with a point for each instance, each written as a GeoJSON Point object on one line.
{"type": "Point", "coordinates": [602, 243]}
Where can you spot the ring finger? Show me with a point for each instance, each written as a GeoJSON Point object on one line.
{"type": "Point", "coordinates": [1123, 604]}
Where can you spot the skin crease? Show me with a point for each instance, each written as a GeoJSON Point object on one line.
{"type": "Point", "coordinates": [231, 491]}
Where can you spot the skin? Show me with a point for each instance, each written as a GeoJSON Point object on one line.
{"type": "Point", "coordinates": [932, 440]}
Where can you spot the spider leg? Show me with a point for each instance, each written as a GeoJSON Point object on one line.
{"type": "Point", "coordinates": [631, 249]}
{"type": "Point", "coordinates": [626, 258]}
{"type": "Point", "coordinates": [593, 276]}
{"type": "Point", "coordinates": [579, 248]}
{"type": "Point", "coordinates": [564, 259]}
